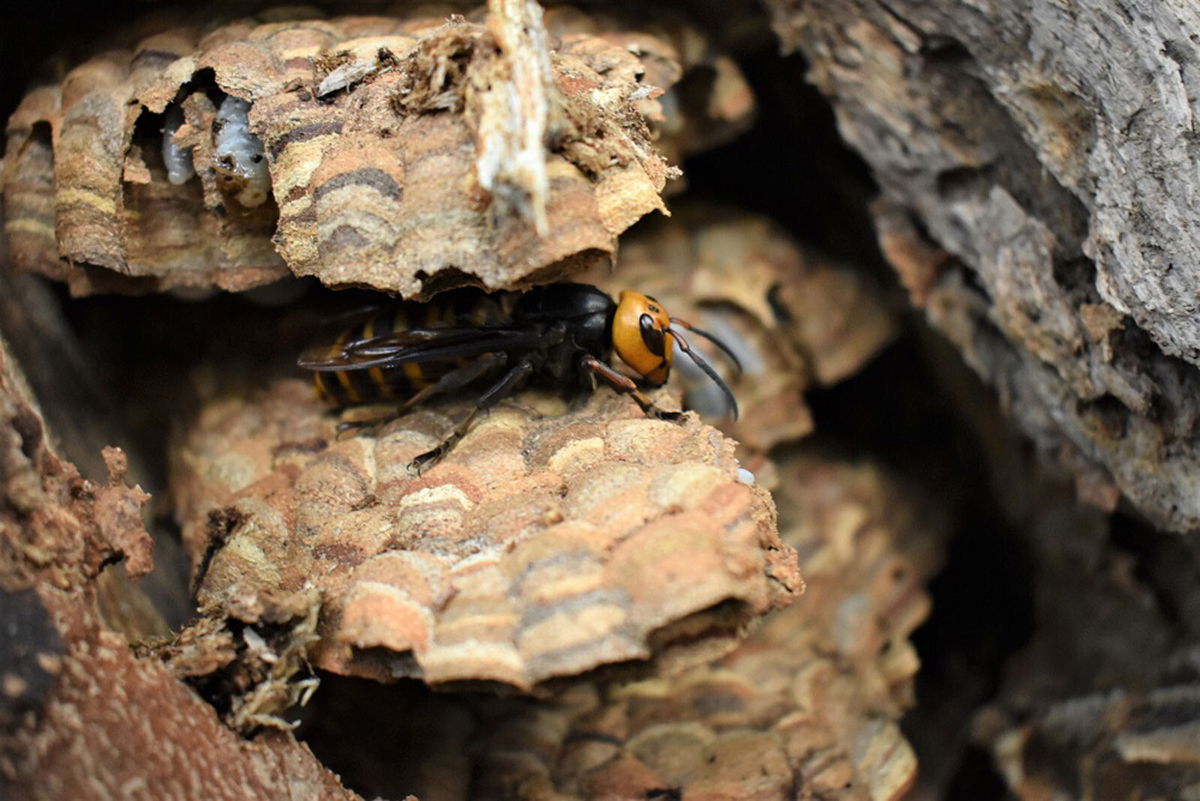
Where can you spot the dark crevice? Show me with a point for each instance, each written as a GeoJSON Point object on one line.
{"type": "Point", "coordinates": [222, 523]}
{"type": "Point", "coordinates": [945, 51]}
{"type": "Point", "coordinates": [1169, 567]}
{"type": "Point", "coordinates": [971, 281]}
{"type": "Point", "coordinates": [444, 280]}
{"type": "Point", "coordinates": [1175, 383]}
{"type": "Point", "coordinates": [976, 777]}
{"type": "Point", "coordinates": [1107, 412]}
{"type": "Point", "coordinates": [1077, 276]}
{"type": "Point", "coordinates": [964, 183]}
{"type": "Point", "coordinates": [416, 736]}
{"type": "Point", "coordinates": [41, 39]}
{"type": "Point", "coordinates": [793, 166]}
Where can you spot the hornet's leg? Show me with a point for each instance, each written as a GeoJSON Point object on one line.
{"type": "Point", "coordinates": [457, 379]}
{"type": "Point", "coordinates": [492, 395]}
{"type": "Point", "coordinates": [450, 382]}
{"type": "Point", "coordinates": [625, 385]}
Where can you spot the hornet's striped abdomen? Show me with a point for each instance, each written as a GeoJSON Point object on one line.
{"type": "Point", "coordinates": [350, 387]}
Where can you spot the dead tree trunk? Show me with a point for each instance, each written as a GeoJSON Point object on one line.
{"type": "Point", "coordinates": [1038, 167]}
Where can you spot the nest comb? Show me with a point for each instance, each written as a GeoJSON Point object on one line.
{"type": "Point", "coordinates": [406, 154]}
{"type": "Point", "coordinates": [808, 704]}
{"type": "Point", "coordinates": [548, 542]}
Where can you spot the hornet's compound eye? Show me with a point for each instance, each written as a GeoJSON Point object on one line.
{"type": "Point", "coordinates": [639, 334]}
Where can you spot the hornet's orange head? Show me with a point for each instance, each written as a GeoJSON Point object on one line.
{"type": "Point", "coordinates": [639, 335]}
{"type": "Point", "coordinates": [644, 336]}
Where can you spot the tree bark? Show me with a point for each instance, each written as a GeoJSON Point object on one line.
{"type": "Point", "coordinates": [1037, 163]}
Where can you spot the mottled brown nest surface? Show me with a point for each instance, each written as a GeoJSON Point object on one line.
{"type": "Point", "coordinates": [810, 699]}
{"type": "Point", "coordinates": [547, 542]}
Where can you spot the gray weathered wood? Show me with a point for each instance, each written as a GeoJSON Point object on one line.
{"type": "Point", "coordinates": [1050, 148]}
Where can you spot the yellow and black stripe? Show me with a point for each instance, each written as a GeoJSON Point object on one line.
{"type": "Point", "coordinates": [352, 387]}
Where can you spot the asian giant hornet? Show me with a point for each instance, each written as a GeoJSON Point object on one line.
{"type": "Point", "coordinates": [562, 333]}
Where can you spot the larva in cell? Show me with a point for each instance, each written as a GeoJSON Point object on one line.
{"type": "Point", "coordinates": [178, 160]}
{"type": "Point", "coordinates": [238, 155]}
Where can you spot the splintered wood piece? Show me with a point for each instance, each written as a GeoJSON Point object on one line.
{"type": "Point", "coordinates": [404, 154]}
{"type": "Point", "coordinates": [514, 116]}
{"type": "Point", "coordinates": [546, 543]}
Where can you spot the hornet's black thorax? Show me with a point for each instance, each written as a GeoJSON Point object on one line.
{"type": "Point", "coordinates": [586, 314]}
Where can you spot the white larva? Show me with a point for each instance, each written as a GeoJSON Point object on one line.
{"type": "Point", "coordinates": [178, 160]}
{"type": "Point", "coordinates": [238, 155]}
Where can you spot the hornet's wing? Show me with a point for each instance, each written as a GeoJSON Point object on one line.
{"type": "Point", "coordinates": [416, 345]}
